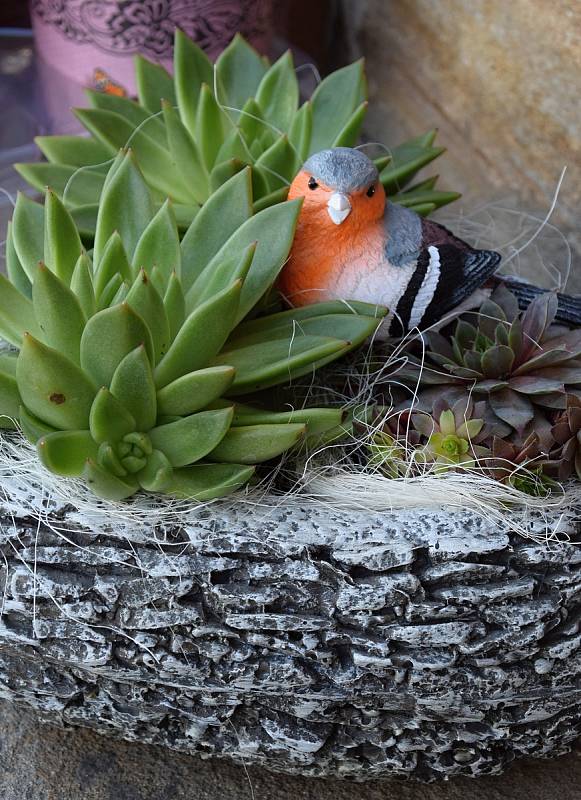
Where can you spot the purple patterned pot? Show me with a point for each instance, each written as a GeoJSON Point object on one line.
{"type": "Point", "coordinates": [81, 43]}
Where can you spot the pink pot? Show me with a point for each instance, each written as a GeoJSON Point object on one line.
{"type": "Point", "coordinates": [84, 43]}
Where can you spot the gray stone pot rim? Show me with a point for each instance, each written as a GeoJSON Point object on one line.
{"type": "Point", "coordinates": [420, 643]}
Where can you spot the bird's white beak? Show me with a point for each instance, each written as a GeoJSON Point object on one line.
{"type": "Point", "coordinates": [338, 207]}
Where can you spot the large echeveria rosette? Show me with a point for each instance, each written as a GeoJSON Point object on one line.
{"type": "Point", "coordinates": [192, 132]}
{"type": "Point", "coordinates": [127, 353]}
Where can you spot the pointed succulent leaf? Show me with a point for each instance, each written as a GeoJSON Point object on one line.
{"type": "Point", "coordinates": [334, 101]}
{"type": "Point", "coordinates": [186, 156]}
{"type": "Point", "coordinates": [76, 151]}
{"type": "Point", "coordinates": [65, 452]}
{"type": "Point", "coordinates": [512, 407]}
{"type": "Point", "coordinates": [201, 336]}
{"type": "Point", "coordinates": [222, 172]}
{"type": "Point", "coordinates": [14, 268]}
{"type": "Point", "coordinates": [16, 314]}
{"type": "Point", "coordinates": [253, 444]}
{"type": "Point", "coordinates": [154, 84]}
{"type": "Point", "coordinates": [537, 384]}
{"type": "Point", "coordinates": [112, 262]}
{"type": "Point", "coordinates": [240, 69]}
{"type": "Point", "coordinates": [507, 301]}
{"type": "Point", "coordinates": [501, 334]}
{"type": "Point", "coordinates": [233, 147]}
{"type": "Point", "coordinates": [190, 439]}
{"type": "Point", "coordinates": [354, 327]}
{"type": "Point", "coordinates": [274, 230]}
{"type": "Point", "coordinates": [175, 305]}
{"type": "Point", "coordinates": [133, 112]}
{"type": "Point", "coordinates": [348, 136]}
{"type": "Point", "coordinates": [106, 485]}
{"type": "Point", "coordinates": [155, 161]}
{"type": "Point", "coordinates": [497, 361]}
{"type": "Point", "coordinates": [426, 201]}
{"type": "Point", "coordinates": [10, 400]}
{"type": "Point", "coordinates": [75, 185]}
{"type": "Point", "coordinates": [58, 313]}
{"type": "Point", "coordinates": [439, 344]}
{"type": "Point", "coordinates": [194, 391]}
{"type": "Point", "coordinates": [251, 121]}
{"type": "Point", "coordinates": [85, 217]}
{"type": "Point", "coordinates": [546, 358]}
{"type": "Point", "coordinates": [28, 233]}
{"type": "Point", "coordinates": [132, 384]}
{"type": "Point", "coordinates": [112, 290]}
{"type": "Point", "coordinates": [301, 130]}
{"type": "Point", "coordinates": [32, 427]}
{"type": "Point", "coordinates": [144, 299]}
{"type": "Point", "coordinates": [422, 209]}
{"type": "Point", "coordinates": [570, 340]}
{"type": "Point", "coordinates": [317, 420]}
{"type": "Point", "coordinates": [284, 319]}
{"type": "Point", "coordinates": [159, 245]}
{"type": "Point", "coordinates": [82, 285]}
{"type": "Point", "coordinates": [278, 92]}
{"type": "Point", "coordinates": [569, 373]}
{"type": "Point", "coordinates": [260, 366]}
{"type": "Point", "coordinates": [211, 126]}
{"type": "Point", "coordinates": [192, 68]}
{"type": "Point", "coordinates": [447, 423]}
{"type": "Point", "coordinates": [52, 387]}
{"type": "Point", "coordinates": [470, 429]}
{"type": "Point", "coordinates": [223, 275]}
{"type": "Point", "coordinates": [157, 474]}
{"type": "Point", "coordinates": [223, 214]}
{"type": "Point", "coordinates": [125, 206]}
{"type": "Point", "coordinates": [537, 318]}
{"type": "Point", "coordinates": [489, 316]}
{"type": "Point", "coordinates": [202, 482]}
{"type": "Point", "coordinates": [260, 182]}
{"type": "Point", "coordinates": [108, 337]}
{"type": "Point", "coordinates": [280, 163]}
{"type": "Point", "coordinates": [271, 199]}
{"type": "Point", "coordinates": [109, 420]}
{"type": "Point", "coordinates": [407, 159]}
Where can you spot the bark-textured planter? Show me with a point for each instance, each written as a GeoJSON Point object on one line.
{"type": "Point", "coordinates": [421, 643]}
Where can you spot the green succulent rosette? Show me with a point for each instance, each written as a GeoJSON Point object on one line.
{"type": "Point", "coordinates": [191, 132]}
{"type": "Point", "coordinates": [127, 356]}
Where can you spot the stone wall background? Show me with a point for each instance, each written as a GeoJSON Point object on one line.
{"type": "Point", "coordinates": [501, 79]}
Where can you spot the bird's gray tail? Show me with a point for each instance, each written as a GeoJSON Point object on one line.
{"type": "Point", "coordinates": [568, 309]}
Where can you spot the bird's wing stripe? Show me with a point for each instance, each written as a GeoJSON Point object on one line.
{"type": "Point", "coordinates": [427, 290]}
{"type": "Point", "coordinates": [400, 321]}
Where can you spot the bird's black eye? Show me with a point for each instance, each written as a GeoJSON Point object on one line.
{"type": "Point", "coordinates": [313, 183]}
{"type": "Point", "coordinates": [371, 191]}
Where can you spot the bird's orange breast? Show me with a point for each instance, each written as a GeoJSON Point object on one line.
{"type": "Point", "coordinates": [326, 260]}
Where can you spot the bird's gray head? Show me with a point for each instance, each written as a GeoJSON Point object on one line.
{"type": "Point", "coordinates": [342, 169]}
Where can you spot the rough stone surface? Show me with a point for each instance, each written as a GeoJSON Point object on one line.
{"type": "Point", "coordinates": [419, 643]}
{"type": "Point", "coordinates": [501, 81]}
{"type": "Point", "coordinates": [40, 762]}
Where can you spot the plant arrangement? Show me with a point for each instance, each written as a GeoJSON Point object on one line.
{"type": "Point", "coordinates": [192, 132]}
{"type": "Point", "coordinates": [499, 391]}
{"type": "Point", "coordinates": [125, 355]}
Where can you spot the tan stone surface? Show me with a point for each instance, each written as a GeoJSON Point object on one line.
{"type": "Point", "coordinates": [501, 79]}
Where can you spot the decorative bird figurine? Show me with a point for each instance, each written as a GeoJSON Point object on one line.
{"type": "Point", "coordinates": [352, 243]}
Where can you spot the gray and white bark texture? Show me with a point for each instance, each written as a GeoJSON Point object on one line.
{"type": "Point", "coordinates": [421, 644]}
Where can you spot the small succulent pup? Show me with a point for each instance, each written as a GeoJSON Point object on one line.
{"type": "Point", "coordinates": [353, 243]}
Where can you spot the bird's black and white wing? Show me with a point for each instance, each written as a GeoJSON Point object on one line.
{"type": "Point", "coordinates": [446, 273]}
